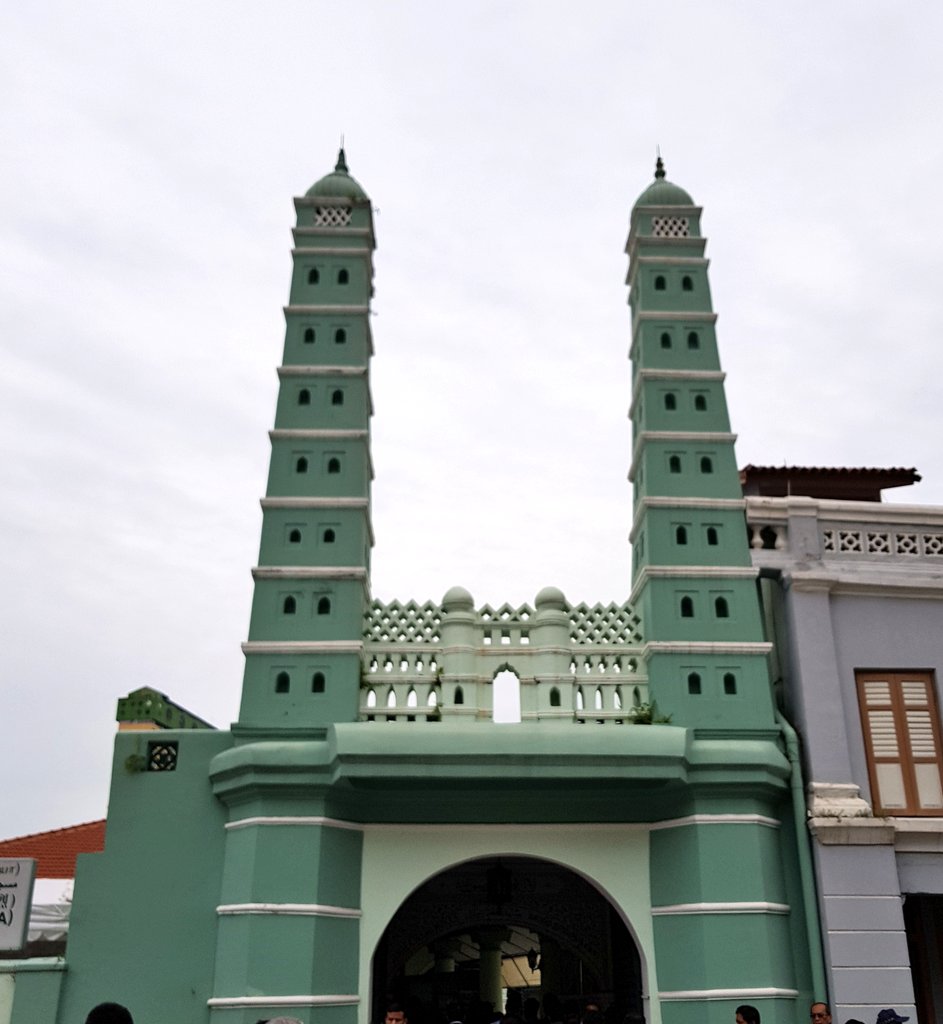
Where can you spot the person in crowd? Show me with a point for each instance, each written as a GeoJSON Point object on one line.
{"type": "Point", "coordinates": [747, 1014]}
{"type": "Point", "coordinates": [109, 1013]}
{"type": "Point", "coordinates": [820, 1013]}
{"type": "Point", "coordinates": [890, 1016]}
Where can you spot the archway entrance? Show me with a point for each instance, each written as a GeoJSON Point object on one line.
{"type": "Point", "coordinates": [517, 927]}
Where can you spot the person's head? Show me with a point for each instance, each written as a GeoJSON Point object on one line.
{"type": "Point", "coordinates": [109, 1013]}
{"type": "Point", "coordinates": [820, 1013]}
{"type": "Point", "coordinates": [395, 1014]}
{"type": "Point", "coordinates": [890, 1016]}
{"type": "Point", "coordinates": [747, 1014]}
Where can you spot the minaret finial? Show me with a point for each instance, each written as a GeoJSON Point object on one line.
{"type": "Point", "coordinates": [659, 164]}
{"type": "Point", "coordinates": [341, 158]}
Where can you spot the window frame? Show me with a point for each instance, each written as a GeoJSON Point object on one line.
{"type": "Point", "coordinates": [905, 756]}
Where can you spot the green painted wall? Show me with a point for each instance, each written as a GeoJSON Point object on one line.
{"type": "Point", "coordinates": [143, 925]}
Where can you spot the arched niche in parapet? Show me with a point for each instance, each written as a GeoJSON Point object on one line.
{"type": "Point", "coordinates": [506, 696]}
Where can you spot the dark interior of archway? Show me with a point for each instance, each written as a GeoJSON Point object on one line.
{"type": "Point", "coordinates": [541, 913]}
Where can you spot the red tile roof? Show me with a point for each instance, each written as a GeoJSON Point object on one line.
{"type": "Point", "coordinates": [55, 851]}
{"type": "Point", "coordinates": [860, 483]}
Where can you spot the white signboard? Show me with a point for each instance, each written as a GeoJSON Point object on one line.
{"type": "Point", "coordinates": [16, 895]}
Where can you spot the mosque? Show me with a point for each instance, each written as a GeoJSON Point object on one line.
{"type": "Point", "coordinates": [367, 831]}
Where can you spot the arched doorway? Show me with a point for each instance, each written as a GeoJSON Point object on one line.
{"type": "Point", "coordinates": [500, 925]}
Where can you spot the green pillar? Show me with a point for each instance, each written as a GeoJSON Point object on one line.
{"type": "Point", "coordinates": [722, 882]}
{"type": "Point", "coordinates": [303, 655]}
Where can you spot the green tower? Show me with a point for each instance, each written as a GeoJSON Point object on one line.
{"type": "Point", "coordinates": [303, 655]}
{"type": "Point", "coordinates": [692, 577]}
{"type": "Point", "coordinates": [706, 656]}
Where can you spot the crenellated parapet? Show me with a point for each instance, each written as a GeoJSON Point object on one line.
{"type": "Point", "coordinates": [428, 662]}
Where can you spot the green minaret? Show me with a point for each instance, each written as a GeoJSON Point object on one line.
{"type": "Point", "coordinates": [303, 654]}
{"type": "Point", "coordinates": [692, 577]}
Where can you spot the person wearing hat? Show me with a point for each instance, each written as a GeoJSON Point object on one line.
{"type": "Point", "coordinates": [890, 1016]}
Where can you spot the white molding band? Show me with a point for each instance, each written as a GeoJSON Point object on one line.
{"type": "Point", "coordinates": [700, 648]}
{"type": "Point", "coordinates": [711, 994]}
{"type": "Point", "coordinates": [314, 503]}
{"type": "Point", "coordinates": [330, 250]}
{"type": "Point", "coordinates": [287, 910]}
{"type": "Point", "coordinates": [715, 819]}
{"type": "Point", "coordinates": [285, 434]}
{"type": "Point", "coordinates": [720, 908]}
{"type": "Point", "coordinates": [309, 820]}
{"type": "Point", "coordinates": [322, 371]}
{"type": "Point", "coordinates": [312, 310]}
{"type": "Point", "coordinates": [302, 647]}
{"type": "Point", "coordinates": [239, 1002]}
{"type": "Point", "coordinates": [711, 572]}
{"type": "Point", "coordinates": [309, 572]}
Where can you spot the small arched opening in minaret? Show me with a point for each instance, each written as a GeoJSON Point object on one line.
{"type": "Point", "coordinates": [671, 401]}
{"type": "Point", "coordinates": [700, 403]}
{"type": "Point", "coordinates": [506, 696]}
{"type": "Point", "coordinates": [289, 605]}
{"type": "Point", "coordinates": [694, 340]}
{"type": "Point", "coordinates": [340, 336]}
{"type": "Point", "coordinates": [333, 465]}
{"type": "Point", "coordinates": [459, 696]}
{"type": "Point", "coordinates": [328, 537]}
{"type": "Point", "coordinates": [304, 397]}
{"type": "Point", "coordinates": [324, 606]}
{"type": "Point", "coordinates": [343, 277]}
{"type": "Point", "coordinates": [301, 465]}
{"type": "Point", "coordinates": [687, 284]}
{"type": "Point", "coordinates": [554, 697]}
{"type": "Point", "coordinates": [707, 464]}
{"type": "Point", "coordinates": [309, 335]}
{"type": "Point", "coordinates": [713, 538]}
{"type": "Point", "coordinates": [665, 339]}
{"type": "Point", "coordinates": [337, 397]}
{"type": "Point", "coordinates": [313, 276]}
{"type": "Point", "coordinates": [294, 536]}
{"type": "Point", "coordinates": [681, 535]}
{"type": "Point", "coordinates": [318, 683]}
{"type": "Point", "coordinates": [282, 682]}
{"type": "Point", "coordinates": [660, 283]}
{"type": "Point", "coordinates": [674, 464]}
{"type": "Point", "coordinates": [694, 683]}
{"type": "Point", "coordinates": [721, 608]}
{"type": "Point", "coordinates": [730, 684]}
{"type": "Point", "coordinates": [687, 607]}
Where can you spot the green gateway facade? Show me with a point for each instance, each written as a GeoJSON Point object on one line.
{"type": "Point", "coordinates": [366, 829]}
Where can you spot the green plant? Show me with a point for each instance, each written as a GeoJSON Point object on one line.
{"type": "Point", "coordinates": [648, 714]}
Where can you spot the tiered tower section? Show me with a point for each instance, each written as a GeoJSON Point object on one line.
{"type": "Point", "coordinates": [693, 582]}
{"type": "Point", "coordinates": [303, 655]}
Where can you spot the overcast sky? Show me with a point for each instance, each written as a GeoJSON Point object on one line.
{"type": "Point", "coordinates": [150, 154]}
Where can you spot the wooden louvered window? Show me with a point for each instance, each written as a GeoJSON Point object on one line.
{"type": "Point", "coordinates": [902, 741]}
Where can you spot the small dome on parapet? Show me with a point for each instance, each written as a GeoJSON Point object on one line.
{"type": "Point", "coordinates": [338, 183]}
{"type": "Point", "coordinates": [457, 599]}
{"type": "Point", "coordinates": [550, 597]}
{"type": "Point", "coordinates": [662, 192]}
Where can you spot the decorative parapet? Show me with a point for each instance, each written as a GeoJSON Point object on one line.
{"type": "Point", "coordinates": [807, 529]}
{"type": "Point", "coordinates": [425, 662]}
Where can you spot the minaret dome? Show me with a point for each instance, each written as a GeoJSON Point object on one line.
{"type": "Point", "coordinates": [338, 183]}
{"type": "Point", "coordinates": [662, 192]}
